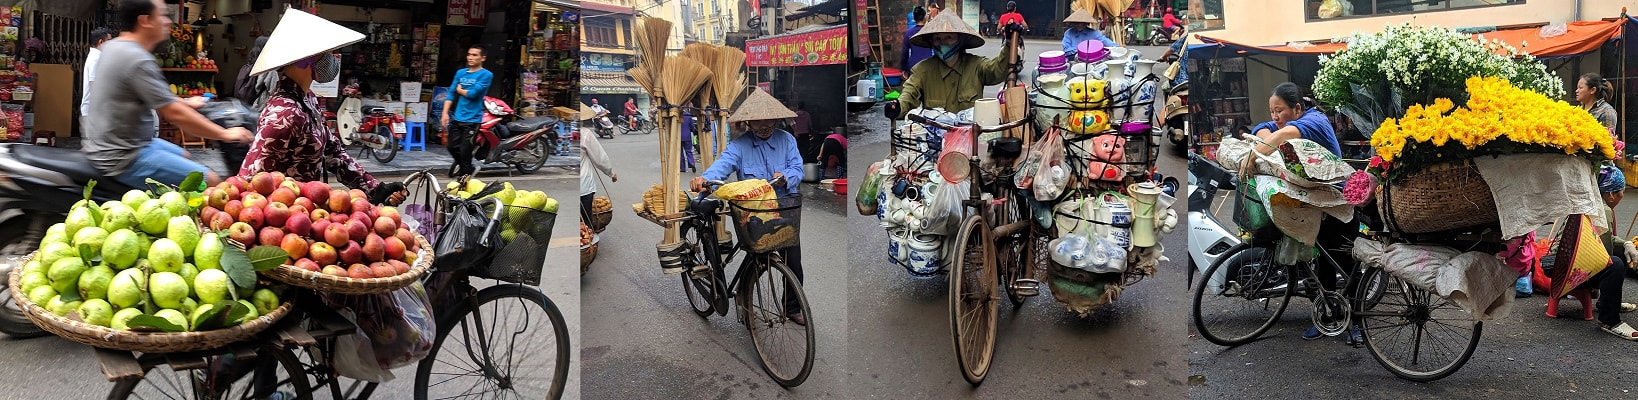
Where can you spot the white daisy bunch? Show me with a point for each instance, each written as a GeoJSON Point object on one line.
{"type": "Point", "coordinates": [1417, 59]}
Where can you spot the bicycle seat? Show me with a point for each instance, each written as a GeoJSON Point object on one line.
{"type": "Point", "coordinates": [373, 109]}
{"type": "Point", "coordinates": [531, 124]}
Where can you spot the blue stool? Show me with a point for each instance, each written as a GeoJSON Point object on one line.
{"type": "Point", "coordinates": [415, 136]}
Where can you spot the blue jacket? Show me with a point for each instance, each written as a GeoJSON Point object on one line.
{"type": "Point", "coordinates": [754, 158]}
{"type": "Point", "coordinates": [913, 54]}
{"type": "Point", "coordinates": [1073, 38]}
{"type": "Point", "coordinates": [1314, 126]}
{"type": "Point", "coordinates": [469, 108]}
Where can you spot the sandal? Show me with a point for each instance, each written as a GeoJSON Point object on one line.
{"type": "Point", "coordinates": [1628, 307]}
{"type": "Point", "coordinates": [1623, 331]}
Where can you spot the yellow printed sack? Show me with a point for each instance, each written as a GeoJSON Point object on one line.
{"type": "Point", "coordinates": [754, 189]}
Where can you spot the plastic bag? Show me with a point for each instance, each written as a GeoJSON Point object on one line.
{"type": "Point", "coordinates": [395, 329]}
{"type": "Point", "coordinates": [865, 200]}
{"type": "Point", "coordinates": [945, 209]}
{"type": "Point", "coordinates": [1332, 9]}
{"type": "Point", "coordinates": [461, 242]}
{"type": "Point", "coordinates": [1051, 177]}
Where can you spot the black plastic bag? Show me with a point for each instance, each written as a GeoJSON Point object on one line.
{"type": "Point", "coordinates": [462, 242]}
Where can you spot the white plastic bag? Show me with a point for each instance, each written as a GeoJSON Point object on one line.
{"type": "Point", "coordinates": [945, 209]}
{"type": "Point", "coordinates": [395, 329]}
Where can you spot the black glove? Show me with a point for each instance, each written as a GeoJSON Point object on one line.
{"type": "Point", "coordinates": [384, 192]}
{"type": "Point", "coordinates": [891, 110]}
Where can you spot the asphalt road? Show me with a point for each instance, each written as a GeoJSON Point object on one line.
{"type": "Point", "coordinates": [643, 340]}
{"type": "Point", "coordinates": [900, 330]}
{"type": "Point", "coordinates": [56, 368]}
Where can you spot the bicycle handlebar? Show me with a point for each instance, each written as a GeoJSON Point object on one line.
{"type": "Point", "coordinates": [979, 128]}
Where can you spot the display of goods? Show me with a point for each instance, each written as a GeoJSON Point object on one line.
{"type": "Point", "coordinates": [654, 200]}
{"type": "Point", "coordinates": [1498, 118]}
{"type": "Point", "coordinates": [510, 196]}
{"type": "Point", "coordinates": [751, 189]}
{"type": "Point", "coordinates": [602, 204]}
{"type": "Point", "coordinates": [144, 263]}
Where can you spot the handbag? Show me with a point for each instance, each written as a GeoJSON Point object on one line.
{"type": "Point", "coordinates": [1580, 255]}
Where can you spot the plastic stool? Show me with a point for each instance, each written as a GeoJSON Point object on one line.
{"type": "Point", "coordinates": [415, 136]}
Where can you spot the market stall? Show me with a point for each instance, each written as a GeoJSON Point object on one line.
{"type": "Point", "coordinates": [788, 63]}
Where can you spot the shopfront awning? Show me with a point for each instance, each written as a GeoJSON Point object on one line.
{"type": "Point", "coordinates": [608, 83]}
{"type": "Point", "coordinates": [810, 45]}
{"type": "Point", "coordinates": [1581, 37]}
{"type": "Point", "coordinates": [564, 4]}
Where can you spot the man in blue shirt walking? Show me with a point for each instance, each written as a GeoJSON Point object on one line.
{"type": "Point", "coordinates": [467, 92]}
{"type": "Point", "coordinates": [768, 153]}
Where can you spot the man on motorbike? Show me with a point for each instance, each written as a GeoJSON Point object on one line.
{"type": "Point", "coordinates": [470, 86]}
{"type": "Point", "coordinates": [768, 153]}
{"type": "Point", "coordinates": [1081, 30]}
{"type": "Point", "coordinates": [132, 95]}
{"type": "Point", "coordinates": [958, 78]}
{"type": "Point", "coordinates": [292, 137]}
{"type": "Point", "coordinates": [601, 115]}
{"type": "Point", "coordinates": [1169, 24]}
{"type": "Point", "coordinates": [632, 115]}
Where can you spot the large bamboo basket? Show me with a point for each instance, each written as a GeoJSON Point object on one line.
{"type": "Point", "coordinates": [1443, 197]}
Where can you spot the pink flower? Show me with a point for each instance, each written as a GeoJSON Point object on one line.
{"type": "Point", "coordinates": [1359, 188]}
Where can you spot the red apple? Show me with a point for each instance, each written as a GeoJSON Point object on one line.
{"type": "Point", "coordinates": [299, 224]}
{"type": "Point", "coordinates": [374, 248]}
{"type": "Point", "coordinates": [221, 221]}
{"type": "Point", "coordinates": [316, 191]}
{"type": "Point", "coordinates": [294, 244]}
{"type": "Point", "coordinates": [356, 230]}
{"type": "Point", "coordinates": [353, 253]}
{"type": "Point", "coordinates": [340, 201]}
{"type": "Point", "coordinates": [266, 182]}
{"type": "Point", "coordinates": [239, 184]}
{"type": "Point", "coordinates": [390, 212]}
{"type": "Point", "coordinates": [276, 214]}
{"type": "Point", "coordinates": [360, 271]}
{"type": "Point", "coordinates": [318, 229]}
{"type": "Point", "coordinates": [308, 264]}
{"type": "Point", "coordinates": [322, 253]}
{"type": "Point", "coordinates": [382, 270]}
{"type": "Point", "coordinates": [319, 214]}
{"type": "Point", "coordinates": [207, 212]}
{"type": "Point", "coordinates": [339, 218]}
{"type": "Point", "coordinates": [362, 205]}
{"type": "Point", "coordinates": [242, 233]}
{"type": "Point", "coordinates": [255, 200]}
{"type": "Point", "coordinates": [393, 248]}
{"type": "Point", "coordinates": [252, 216]}
{"type": "Point", "coordinates": [399, 267]}
{"type": "Point", "coordinates": [362, 217]}
{"type": "Point", "coordinates": [216, 197]}
{"type": "Point", "coordinates": [335, 270]}
{"type": "Point", "coordinates": [385, 227]}
{"type": "Point", "coordinates": [271, 236]}
{"type": "Point", "coordinates": [304, 203]}
{"type": "Point", "coordinates": [298, 209]}
{"type": "Point", "coordinates": [335, 235]}
{"type": "Point", "coordinates": [233, 207]}
{"type": "Point", "coordinates": [282, 195]}
{"type": "Point", "coordinates": [357, 194]}
{"type": "Point", "coordinates": [405, 236]}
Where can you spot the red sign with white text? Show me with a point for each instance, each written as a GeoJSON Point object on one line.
{"type": "Point", "coordinates": [813, 48]}
{"type": "Point", "coordinates": [468, 12]}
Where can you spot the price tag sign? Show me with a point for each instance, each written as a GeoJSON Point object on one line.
{"type": "Point", "coordinates": [409, 92]}
{"type": "Point", "coordinates": [398, 128]}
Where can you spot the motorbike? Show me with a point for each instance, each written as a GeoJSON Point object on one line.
{"type": "Point", "coordinates": [1177, 117]}
{"type": "Point", "coordinates": [1208, 237]}
{"type": "Point", "coordinates": [39, 184]}
{"type": "Point", "coordinates": [604, 127]}
{"type": "Point", "coordinates": [371, 129]}
{"type": "Point", "coordinates": [643, 124]}
{"type": "Point", "coordinates": [505, 138]}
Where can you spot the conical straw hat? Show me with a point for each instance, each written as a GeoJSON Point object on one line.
{"type": "Point", "coordinates": [947, 23]}
{"type": "Point", "coordinates": [760, 106]}
{"type": "Point", "coordinates": [585, 113]}
{"type": "Point", "coordinates": [1081, 16]}
{"type": "Point", "coordinates": [300, 35]}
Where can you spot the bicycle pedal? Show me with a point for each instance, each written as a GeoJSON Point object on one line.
{"type": "Point", "coordinates": [1026, 287]}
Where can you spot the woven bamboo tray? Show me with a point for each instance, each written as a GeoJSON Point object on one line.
{"type": "Point", "coordinates": [1440, 198]}
{"type": "Point", "coordinates": [327, 283]}
{"type": "Point", "coordinates": [146, 342]}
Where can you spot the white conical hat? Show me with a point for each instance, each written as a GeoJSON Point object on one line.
{"type": "Point", "coordinates": [300, 35]}
{"type": "Point", "coordinates": [760, 106]}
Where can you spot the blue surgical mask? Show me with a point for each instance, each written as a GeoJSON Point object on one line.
{"type": "Point", "coordinates": [946, 51]}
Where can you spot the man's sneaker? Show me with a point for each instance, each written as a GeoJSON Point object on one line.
{"type": "Point", "coordinates": [1356, 336]}
{"type": "Point", "coordinates": [1312, 333]}
{"type": "Point", "coordinates": [798, 318]}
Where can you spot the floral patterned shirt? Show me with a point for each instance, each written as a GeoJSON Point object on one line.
{"type": "Point", "coordinates": [1605, 113]}
{"type": "Point", "coordinates": [293, 139]}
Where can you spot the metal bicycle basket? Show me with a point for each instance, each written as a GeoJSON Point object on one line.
{"type": "Point", "coordinates": [767, 225]}
{"type": "Point", "coordinates": [523, 254]}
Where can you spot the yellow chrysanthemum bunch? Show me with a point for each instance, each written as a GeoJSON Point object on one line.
{"type": "Point", "coordinates": [1495, 110]}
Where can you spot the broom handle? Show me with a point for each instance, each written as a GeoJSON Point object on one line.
{"type": "Point", "coordinates": [669, 163]}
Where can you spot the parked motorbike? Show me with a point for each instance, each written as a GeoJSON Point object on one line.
{"type": "Point", "coordinates": [372, 130]}
{"type": "Point", "coordinates": [1177, 117]}
{"type": "Point", "coordinates": [39, 184]}
{"type": "Point", "coordinates": [1208, 237]}
{"type": "Point", "coordinates": [507, 139]}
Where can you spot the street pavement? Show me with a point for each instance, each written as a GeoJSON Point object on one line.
{"type": "Point", "coordinates": [1520, 352]}
{"type": "Point", "coordinates": [642, 339]}
{"type": "Point", "coordinates": [56, 368]}
{"type": "Point", "coordinates": [900, 341]}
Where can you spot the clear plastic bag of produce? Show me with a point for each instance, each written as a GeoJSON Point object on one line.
{"type": "Point", "coordinates": [945, 210]}
{"type": "Point", "coordinates": [395, 329]}
{"type": "Point", "coordinates": [865, 200]}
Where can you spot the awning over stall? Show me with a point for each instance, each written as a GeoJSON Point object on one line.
{"type": "Point", "coordinates": [1581, 37]}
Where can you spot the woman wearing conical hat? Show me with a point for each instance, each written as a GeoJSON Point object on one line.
{"type": "Point", "coordinates": [292, 137]}
{"type": "Point", "coordinates": [1081, 30]}
{"type": "Point", "coordinates": [768, 153]}
{"type": "Point", "coordinates": [953, 78]}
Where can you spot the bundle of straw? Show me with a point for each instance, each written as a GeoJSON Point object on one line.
{"type": "Point", "coordinates": [683, 77]}
{"type": "Point", "coordinates": [729, 82]}
{"type": "Point", "coordinates": [652, 36]}
{"type": "Point", "coordinates": [641, 75]}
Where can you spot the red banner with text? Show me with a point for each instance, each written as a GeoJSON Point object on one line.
{"type": "Point", "coordinates": [813, 48]}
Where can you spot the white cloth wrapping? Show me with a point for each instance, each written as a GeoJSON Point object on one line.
{"type": "Point", "coordinates": [1320, 198]}
{"type": "Point", "coordinates": [1479, 283]}
{"type": "Point", "coordinates": [1532, 190]}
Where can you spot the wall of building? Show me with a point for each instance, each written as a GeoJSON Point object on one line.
{"type": "Point", "coordinates": [1264, 22]}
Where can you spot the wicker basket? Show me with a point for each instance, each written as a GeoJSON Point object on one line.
{"type": "Point", "coordinates": [600, 220]}
{"type": "Point", "coordinates": [146, 342]}
{"type": "Point", "coordinates": [1443, 197]}
{"type": "Point", "coordinates": [588, 253]}
{"type": "Point", "coordinates": [327, 283]}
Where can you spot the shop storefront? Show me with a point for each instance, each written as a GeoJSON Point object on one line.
{"type": "Point", "coordinates": [787, 66]}
{"type": "Point", "coordinates": [607, 51]}
{"type": "Point", "coordinates": [550, 76]}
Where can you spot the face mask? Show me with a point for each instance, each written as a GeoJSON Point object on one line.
{"type": "Point", "coordinates": [326, 70]}
{"type": "Point", "coordinates": [946, 51]}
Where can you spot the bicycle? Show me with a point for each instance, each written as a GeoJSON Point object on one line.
{"type": "Point", "coordinates": [467, 338]}
{"type": "Point", "coordinates": [763, 304]}
{"type": "Point", "coordinates": [1254, 289]}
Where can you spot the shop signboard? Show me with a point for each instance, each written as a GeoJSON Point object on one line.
{"type": "Point", "coordinates": [824, 47]}
{"type": "Point", "coordinates": [415, 112]}
{"type": "Point", "coordinates": [861, 26]}
{"type": "Point", "coordinates": [468, 12]}
{"type": "Point", "coordinates": [602, 62]}
{"type": "Point", "coordinates": [409, 92]}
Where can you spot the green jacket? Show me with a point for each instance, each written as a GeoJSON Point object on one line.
{"type": "Point", "coordinates": [933, 83]}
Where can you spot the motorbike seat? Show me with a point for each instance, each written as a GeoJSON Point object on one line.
{"type": "Point", "coordinates": [71, 163]}
{"type": "Point", "coordinates": [530, 124]}
{"type": "Point", "coordinates": [368, 110]}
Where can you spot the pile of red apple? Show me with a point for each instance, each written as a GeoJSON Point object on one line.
{"type": "Point", "coordinates": [325, 230]}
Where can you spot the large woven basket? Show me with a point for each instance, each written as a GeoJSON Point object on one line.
{"type": "Point", "coordinates": [327, 283]}
{"type": "Point", "coordinates": [146, 342]}
{"type": "Point", "coordinates": [1443, 197]}
{"type": "Point", "coordinates": [588, 253]}
{"type": "Point", "coordinates": [601, 219]}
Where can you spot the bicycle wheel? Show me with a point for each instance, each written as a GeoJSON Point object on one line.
{"type": "Point", "coordinates": [246, 379]}
{"type": "Point", "coordinates": [385, 155]}
{"type": "Point", "coordinates": [15, 242]}
{"type": "Point", "coordinates": [785, 347]}
{"type": "Point", "coordinates": [1012, 254]}
{"type": "Point", "coordinates": [702, 287]}
{"type": "Point", "coordinates": [1240, 296]}
{"type": "Point", "coordinates": [495, 346]}
{"type": "Point", "coordinates": [1416, 334]}
{"type": "Point", "coordinates": [973, 299]}
{"type": "Point", "coordinates": [537, 152]}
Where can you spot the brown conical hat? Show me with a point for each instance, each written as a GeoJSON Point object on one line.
{"type": "Point", "coordinates": [947, 23]}
{"type": "Point", "coordinates": [1081, 16]}
{"type": "Point", "coordinates": [585, 113]}
{"type": "Point", "coordinates": [760, 106]}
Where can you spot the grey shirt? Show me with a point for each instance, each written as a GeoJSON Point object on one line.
{"type": "Point", "coordinates": [121, 120]}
